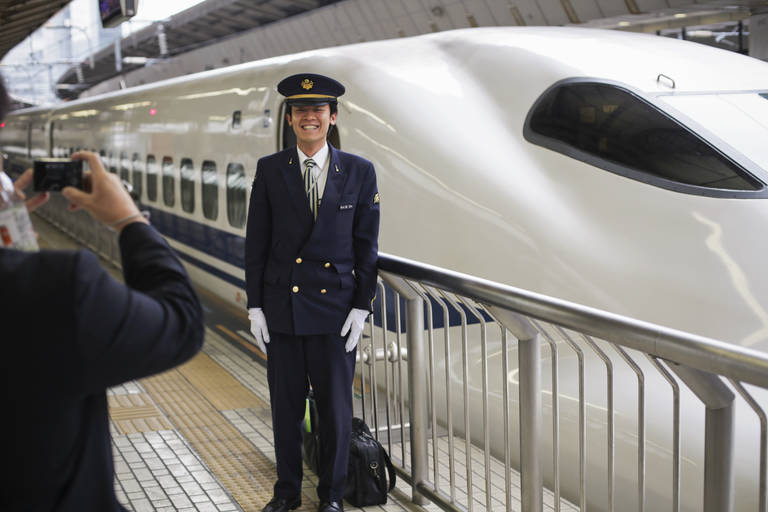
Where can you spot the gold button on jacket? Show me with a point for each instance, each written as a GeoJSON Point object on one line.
{"type": "Point", "coordinates": [327, 265]}
{"type": "Point", "coordinates": [295, 289]}
{"type": "Point", "coordinates": [298, 260]}
{"type": "Point", "coordinates": [323, 290]}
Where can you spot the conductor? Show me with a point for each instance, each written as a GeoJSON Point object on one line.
{"type": "Point", "coordinates": [310, 270]}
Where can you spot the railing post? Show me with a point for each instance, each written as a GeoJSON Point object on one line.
{"type": "Point", "coordinates": [718, 436]}
{"type": "Point", "coordinates": [417, 384]}
{"type": "Point", "coordinates": [529, 364]}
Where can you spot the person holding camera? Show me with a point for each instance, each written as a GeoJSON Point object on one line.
{"type": "Point", "coordinates": [69, 332]}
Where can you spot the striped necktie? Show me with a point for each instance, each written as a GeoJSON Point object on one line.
{"type": "Point", "coordinates": [310, 186]}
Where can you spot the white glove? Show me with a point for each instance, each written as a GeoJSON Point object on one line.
{"type": "Point", "coordinates": [259, 328]}
{"type": "Point", "coordinates": [354, 325]}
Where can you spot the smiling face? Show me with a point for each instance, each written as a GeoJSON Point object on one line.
{"type": "Point", "coordinates": [310, 123]}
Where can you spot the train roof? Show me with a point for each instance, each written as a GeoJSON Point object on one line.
{"type": "Point", "coordinates": [632, 58]}
{"type": "Point", "coordinates": [544, 55]}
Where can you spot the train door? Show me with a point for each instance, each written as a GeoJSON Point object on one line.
{"type": "Point", "coordinates": [288, 138]}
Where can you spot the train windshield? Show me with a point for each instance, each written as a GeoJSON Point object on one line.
{"type": "Point", "coordinates": [739, 119]}
{"type": "Point", "coordinates": [611, 127]}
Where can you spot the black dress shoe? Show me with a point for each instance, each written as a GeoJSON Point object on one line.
{"type": "Point", "coordinates": [282, 504]}
{"type": "Point", "coordinates": [330, 506]}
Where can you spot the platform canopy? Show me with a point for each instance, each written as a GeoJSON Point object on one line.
{"type": "Point", "coordinates": [19, 18]}
{"type": "Point", "coordinates": [201, 25]}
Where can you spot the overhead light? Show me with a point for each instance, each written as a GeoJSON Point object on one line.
{"type": "Point", "coordinates": [699, 33]}
{"type": "Point", "coordinates": [680, 15]}
{"type": "Point", "coordinates": [135, 59]}
{"type": "Point", "coordinates": [623, 23]}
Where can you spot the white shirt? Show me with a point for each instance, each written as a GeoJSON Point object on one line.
{"type": "Point", "coordinates": [319, 171]}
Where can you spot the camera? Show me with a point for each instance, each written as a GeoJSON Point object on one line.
{"type": "Point", "coordinates": [53, 174]}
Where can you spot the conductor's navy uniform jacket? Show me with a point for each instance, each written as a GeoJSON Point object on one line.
{"type": "Point", "coordinates": [307, 274]}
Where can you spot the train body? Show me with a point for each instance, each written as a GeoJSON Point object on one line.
{"type": "Point", "coordinates": [621, 171]}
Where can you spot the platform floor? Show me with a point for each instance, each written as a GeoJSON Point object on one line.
{"type": "Point", "coordinates": [199, 437]}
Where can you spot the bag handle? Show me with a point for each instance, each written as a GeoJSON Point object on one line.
{"type": "Point", "coordinates": [390, 469]}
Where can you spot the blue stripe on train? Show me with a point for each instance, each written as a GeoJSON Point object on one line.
{"type": "Point", "coordinates": [231, 249]}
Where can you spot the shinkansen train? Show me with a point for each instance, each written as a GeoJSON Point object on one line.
{"type": "Point", "coordinates": [621, 171]}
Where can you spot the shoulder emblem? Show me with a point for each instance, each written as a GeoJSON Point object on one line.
{"type": "Point", "coordinates": [376, 198]}
{"type": "Point", "coordinates": [307, 84]}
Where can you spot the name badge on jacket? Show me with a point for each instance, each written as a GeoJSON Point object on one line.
{"type": "Point", "coordinates": [346, 206]}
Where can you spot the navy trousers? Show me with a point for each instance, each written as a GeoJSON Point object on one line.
{"type": "Point", "coordinates": [293, 362]}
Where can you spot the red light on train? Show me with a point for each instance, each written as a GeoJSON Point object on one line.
{"type": "Point", "coordinates": [152, 111]}
{"type": "Point", "coordinates": [2, 125]}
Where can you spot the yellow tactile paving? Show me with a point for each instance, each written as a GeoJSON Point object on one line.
{"type": "Point", "coordinates": [217, 385]}
{"type": "Point", "coordinates": [136, 413]}
{"type": "Point", "coordinates": [190, 397]}
{"type": "Point", "coordinates": [237, 339]}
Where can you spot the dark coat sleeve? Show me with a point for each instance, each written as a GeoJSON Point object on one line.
{"type": "Point", "coordinates": [257, 238]}
{"type": "Point", "coordinates": [366, 241]}
{"type": "Point", "coordinates": [151, 323]}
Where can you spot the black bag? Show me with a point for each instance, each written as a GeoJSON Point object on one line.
{"type": "Point", "coordinates": [368, 467]}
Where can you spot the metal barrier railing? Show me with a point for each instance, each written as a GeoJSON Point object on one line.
{"type": "Point", "coordinates": [438, 385]}
{"type": "Point", "coordinates": [82, 227]}
{"type": "Point", "coordinates": [466, 328]}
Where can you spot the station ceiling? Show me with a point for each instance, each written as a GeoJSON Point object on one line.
{"type": "Point", "coordinates": [19, 18]}
{"type": "Point", "coordinates": [201, 25]}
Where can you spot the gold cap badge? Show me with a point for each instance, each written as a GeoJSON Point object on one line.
{"type": "Point", "coordinates": [376, 198]}
{"type": "Point", "coordinates": [307, 84]}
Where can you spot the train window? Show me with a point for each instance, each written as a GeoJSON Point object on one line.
{"type": "Point", "coordinates": [289, 138]}
{"type": "Point", "coordinates": [210, 190]}
{"type": "Point", "coordinates": [152, 178]}
{"type": "Point", "coordinates": [236, 195]}
{"type": "Point", "coordinates": [169, 180]}
{"type": "Point", "coordinates": [333, 137]}
{"type": "Point", "coordinates": [111, 163]}
{"type": "Point", "coordinates": [612, 128]}
{"type": "Point", "coordinates": [187, 185]}
{"type": "Point", "coordinates": [125, 172]}
{"type": "Point", "coordinates": [138, 172]}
